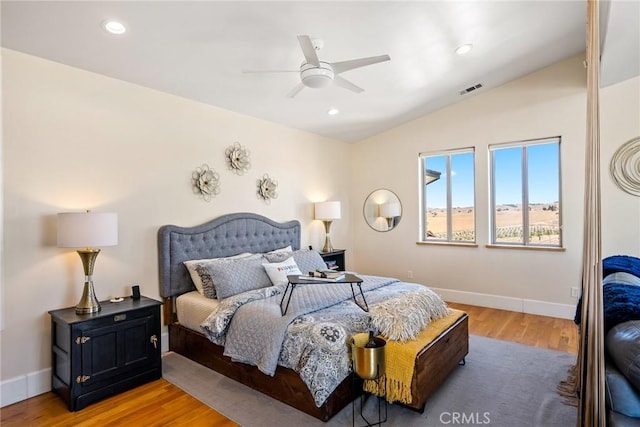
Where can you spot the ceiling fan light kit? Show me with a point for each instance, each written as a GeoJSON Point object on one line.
{"type": "Point", "coordinates": [318, 74]}
{"type": "Point", "coordinates": [316, 77]}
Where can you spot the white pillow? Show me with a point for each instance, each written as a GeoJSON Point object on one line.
{"type": "Point", "coordinates": [193, 267]}
{"type": "Point", "coordinates": [278, 271]}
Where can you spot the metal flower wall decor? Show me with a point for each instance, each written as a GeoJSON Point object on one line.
{"type": "Point", "coordinates": [238, 159]}
{"type": "Point", "coordinates": [267, 188]}
{"type": "Point", "coordinates": [206, 182]}
{"type": "Point", "coordinates": [625, 167]}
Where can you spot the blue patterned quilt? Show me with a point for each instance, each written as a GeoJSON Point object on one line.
{"type": "Point", "coordinates": [312, 338]}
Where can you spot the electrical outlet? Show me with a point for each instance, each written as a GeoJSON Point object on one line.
{"type": "Point", "coordinates": [574, 292]}
{"type": "Point", "coordinates": [410, 274]}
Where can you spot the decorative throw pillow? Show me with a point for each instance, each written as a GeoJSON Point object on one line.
{"type": "Point", "coordinates": [237, 276]}
{"type": "Point", "coordinates": [278, 271]}
{"type": "Point", "coordinates": [200, 276]}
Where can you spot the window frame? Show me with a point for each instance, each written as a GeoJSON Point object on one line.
{"type": "Point", "coordinates": [423, 199]}
{"type": "Point", "coordinates": [526, 241]}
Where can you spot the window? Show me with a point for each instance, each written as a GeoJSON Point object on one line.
{"type": "Point", "coordinates": [526, 174]}
{"type": "Point", "coordinates": [448, 196]}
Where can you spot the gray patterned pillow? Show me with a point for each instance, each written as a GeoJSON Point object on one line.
{"type": "Point", "coordinates": [237, 276]}
{"type": "Point", "coordinates": [278, 256]}
{"type": "Point", "coordinates": [206, 281]}
{"type": "Point", "coordinates": [307, 260]}
{"type": "Point", "coordinates": [200, 276]}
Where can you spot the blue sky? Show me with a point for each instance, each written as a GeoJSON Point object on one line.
{"type": "Point", "coordinates": [543, 177]}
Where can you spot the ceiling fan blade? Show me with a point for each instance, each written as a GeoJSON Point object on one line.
{"type": "Point", "coordinates": [342, 82]}
{"type": "Point", "coordinates": [309, 51]}
{"type": "Point", "coordinates": [269, 71]}
{"type": "Point", "coordinates": [341, 67]}
{"type": "Point", "coordinates": [295, 90]}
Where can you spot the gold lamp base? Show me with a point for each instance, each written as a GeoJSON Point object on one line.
{"type": "Point", "coordinates": [88, 303]}
{"type": "Point", "coordinates": [328, 247]}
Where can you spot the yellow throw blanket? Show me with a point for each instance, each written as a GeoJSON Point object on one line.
{"type": "Point", "coordinates": [400, 359]}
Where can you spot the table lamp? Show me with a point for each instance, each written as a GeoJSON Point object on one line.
{"type": "Point", "coordinates": [87, 230]}
{"type": "Point", "coordinates": [327, 212]}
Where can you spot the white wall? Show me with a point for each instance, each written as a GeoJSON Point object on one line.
{"type": "Point", "coordinates": [549, 102]}
{"type": "Point", "coordinates": [75, 140]}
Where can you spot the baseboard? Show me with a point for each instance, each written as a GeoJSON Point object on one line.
{"type": "Point", "coordinates": [164, 342]}
{"type": "Point", "coordinates": [541, 308]}
{"type": "Point", "coordinates": [24, 386]}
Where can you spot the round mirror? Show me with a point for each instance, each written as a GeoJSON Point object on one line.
{"type": "Point", "coordinates": [382, 210]}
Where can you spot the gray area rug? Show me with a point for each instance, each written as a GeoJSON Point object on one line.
{"type": "Point", "coordinates": [502, 384]}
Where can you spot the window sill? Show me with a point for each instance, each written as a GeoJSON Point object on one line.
{"type": "Point", "coordinates": [527, 248]}
{"type": "Point", "coordinates": [466, 245]}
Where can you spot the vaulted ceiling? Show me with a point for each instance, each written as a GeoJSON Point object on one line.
{"type": "Point", "coordinates": [198, 50]}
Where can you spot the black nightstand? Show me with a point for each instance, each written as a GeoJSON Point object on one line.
{"type": "Point", "coordinates": [334, 259]}
{"type": "Point", "coordinates": [101, 354]}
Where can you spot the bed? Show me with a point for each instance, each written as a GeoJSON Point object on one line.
{"type": "Point", "coordinates": [239, 233]}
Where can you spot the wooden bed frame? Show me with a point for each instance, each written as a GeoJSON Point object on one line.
{"type": "Point", "coordinates": [247, 232]}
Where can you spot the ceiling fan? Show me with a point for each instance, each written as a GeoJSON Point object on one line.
{"type": "Point", "coordinates": [318, 74]}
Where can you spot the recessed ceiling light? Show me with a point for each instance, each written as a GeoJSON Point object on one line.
{"type": "Point", "coordinates": [114, 27]}
{"type": "Point", "coordinates": [333, 111]}
{"type": "Point", "coordinates": [465, 48]}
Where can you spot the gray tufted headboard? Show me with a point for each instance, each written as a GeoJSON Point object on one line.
{"type": "Point", "coordinates": [224, 236]}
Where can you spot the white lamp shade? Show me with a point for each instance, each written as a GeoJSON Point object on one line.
{"type": "Point", "coordinates": [327, 210]}
{"type": "Point", "coordinates": [87, 229]}
{"type": "Point", "coordinates": [389, 210]}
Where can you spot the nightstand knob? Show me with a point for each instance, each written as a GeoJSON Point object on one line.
{"type": "Point", "coordinates": [154, 340]}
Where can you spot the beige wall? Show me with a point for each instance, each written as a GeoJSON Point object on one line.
{"type": "Point", "coordinates": [547, 103]}
{"type": "Point", "coordinates": [75, 140]}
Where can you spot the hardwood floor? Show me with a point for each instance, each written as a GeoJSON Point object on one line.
{"type": "Point", "coordinates": [160, 403]}
{"type": "Point", "coordinates": [523, 328]}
